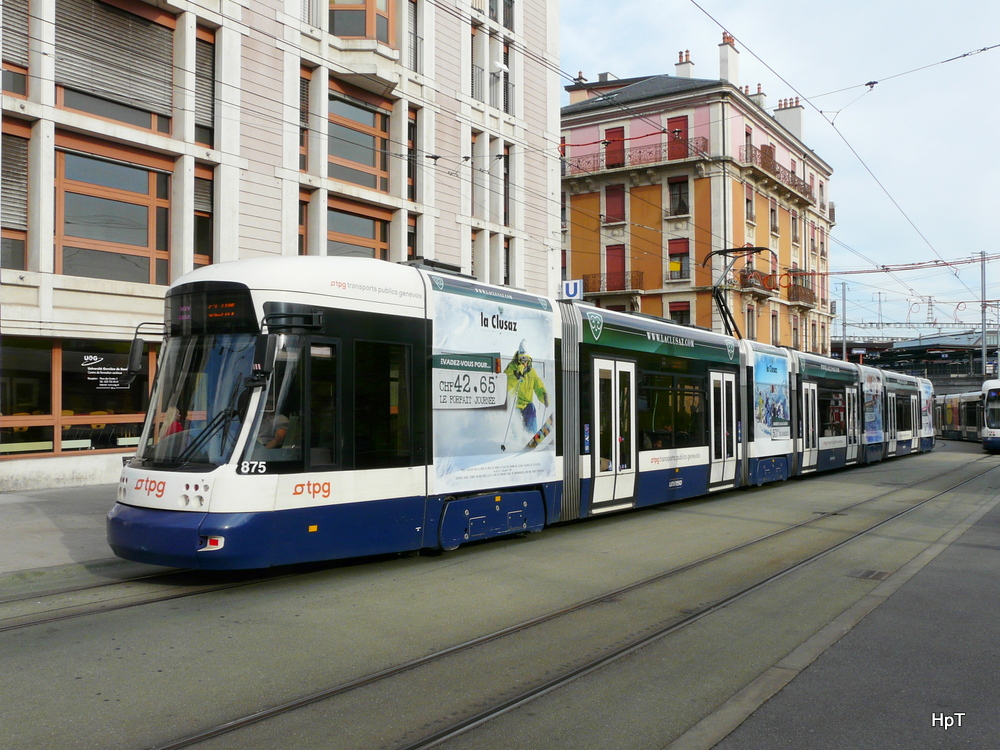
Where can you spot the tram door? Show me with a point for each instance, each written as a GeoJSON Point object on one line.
{"type": "Point", "coordinates": [615, 435]}
{"type": "Point", "coordinates": [853, 425]}
{"type": "Point", "coordinates": [810, 426]}
{"type": "Point", "coordinates": [916, 426]}
{"type": "Point", "coordinates": [722, 427]}
{"type": "Point", "coordinates": [890, 419]}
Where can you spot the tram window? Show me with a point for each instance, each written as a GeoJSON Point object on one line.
{"type": "Point", "coordinates": [625, 420]}
{"type": "Point", "coordinates": [971, 417]}
{"type": "Point", "coordinates": [993, 409]}
{"type": "Point", "coordinates": [832, 413]}
{"type": "Point", "coordinates": [381, 405]}
{"type": "Point", "coordinates": [323, 405]}
{"type": "Point", "coordinates": [671, 411]}
{"type": "Point", "coordinates": [279, 431]}
{"type": "Point", "coordinates": [605, 448]}
{"type": "Point", "coordinates": [904, 422]}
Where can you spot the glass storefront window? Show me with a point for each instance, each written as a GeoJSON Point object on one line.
{"type": "Point", "coordinates": [67, 396]}
{"type": "Point", "coordinates": [26, 384]}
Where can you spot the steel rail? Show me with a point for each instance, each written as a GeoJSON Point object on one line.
{"type": "Point", "coordinates": [530, 694]}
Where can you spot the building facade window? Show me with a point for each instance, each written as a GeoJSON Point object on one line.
{"type": "Point", "coordinates": [15, 80]}
{"type": "Point", "coordinates": [505, 163]}
{"type": "Point", "coordinates": [414, 40]}
{"type": "Point", "coordinates": [357, 230]}
{"type": "Point", "coordinates": [132, 80]}
{"type": "Point", "coordinates": [14, 186]}
{"type": "Point", "coordinates": [358, 138]}
{"type": "Point", "coordinates": [411, 156]}
{"type": "Point", "coordinates": [614, 147]}
{"type": "Point", "coordinates": [680, 313]}
{"type": "Point", "coordinates": [677, 138]}
{"type": "Point", "coordinates": [60, 396]}
{"type": "Point", "coordinates": [305, 76]}
{"type": "Point", "coordinates": [476, 70]}
{"type": "Point", "coordinates": [679, 259]}
{"type": "Point", "coordinates": [112, 217]}
{"type": "Point", "coordinates": [775, 330]}
{"type": "Point", "coordinates": [204, 217]}
{"type": "Point", "coordinates": [614, 204]}
{"type": "Point", "coordinates": [614, 264]}
{"type": "Point", "coordinates": [15, 47]}
{"type": "Point", "coordinates": [303, 222]}
{"type": "Point", "coordinates": [204, 91]}
{"type": "Point", "coordinates": [363, 19]}
{"type": "Point", "coordinates": [679, 205]}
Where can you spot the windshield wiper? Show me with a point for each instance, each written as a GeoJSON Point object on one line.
{"type": "Point", "coordinates": [222, 419]}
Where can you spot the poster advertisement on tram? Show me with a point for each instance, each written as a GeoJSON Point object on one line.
{"type": "Point", "coordinates": [492, 391]}
{"type": "Point", "coordinates": [872, 394]}
{"type": "Point", "coordinates": [772, 416]}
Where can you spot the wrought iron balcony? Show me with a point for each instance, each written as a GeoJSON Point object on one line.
{"type": "Point", "coordinates": [656, 153]}
{"type": "Point", "coordinates": [756, 282]}
{"type": "Point", "coordinates": [612, 282]}
{"type": "Point", "coordinates": [801, 295]}
{"type": "Point", "coordinates": [765, 161]}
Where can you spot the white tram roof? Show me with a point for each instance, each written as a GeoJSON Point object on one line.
{"type": "Point", "coordinates": [329, 281]}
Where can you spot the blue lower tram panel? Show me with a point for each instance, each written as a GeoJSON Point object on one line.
{"type": "Point", "coordinates": [222, 541]}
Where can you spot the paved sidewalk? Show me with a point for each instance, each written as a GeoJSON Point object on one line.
{"type": "Point", "coordinates": [45, 528]}
{"type": "Point", "coordinates": [920, 671]}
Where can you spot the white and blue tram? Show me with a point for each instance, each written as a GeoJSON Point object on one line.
{"type": "Point", "coordinates": [317, 408]}
{"type": "Point", "coordinates": [973, 415]}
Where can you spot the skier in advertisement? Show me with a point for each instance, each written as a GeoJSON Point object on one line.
{"type": "Point", "coordinates": [526, 383]}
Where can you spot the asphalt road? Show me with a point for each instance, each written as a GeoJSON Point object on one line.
{"type": "Point", "coordinates": [828, 657]}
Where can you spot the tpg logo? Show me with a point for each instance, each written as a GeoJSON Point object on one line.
{"type": "Point", "coordinates": [150, 487]}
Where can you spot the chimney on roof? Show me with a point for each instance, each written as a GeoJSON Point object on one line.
{"type": "Point", "coordinates": [606, 77]}
{"type": "Point", "coordinates": [684, 66]}
{"type": "Point", "coordinates": [789, 116]}
{"type": "Point", "coordinates": [729, 59]}
{"type": "Point", "coordinates": [760, 98]}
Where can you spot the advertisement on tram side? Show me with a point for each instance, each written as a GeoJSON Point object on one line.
{"type": "Point", "coordinates": [493, 389]}
{"type": "Point", "coordinates": [926, 408]}
{"type": "Point", "coordinates": [873, 397]}
{"type": "Point", "coordinates": [772, 416]}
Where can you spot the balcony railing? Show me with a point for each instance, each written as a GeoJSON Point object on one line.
{"type": "Point", "coordinates": [656, 153]}
{"type": "Point", "coordinates": [501, 93]}
{"type": "Point", "coordinates": [801, 294]}
{"type": "Point", "coordinates": [751, 280]}
{"type": "Point", "coordinates": [767, 162]}
{"type": "Point", "coordinates": [612, 282]}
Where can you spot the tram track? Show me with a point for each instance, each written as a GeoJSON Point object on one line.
{"type": "Point", "coordinates": [609, 653]}
{"type": "Point", "coordinates": [59, 602]}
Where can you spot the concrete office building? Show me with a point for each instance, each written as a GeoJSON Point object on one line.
{"type": "Point", "coordinates": [144, 139]}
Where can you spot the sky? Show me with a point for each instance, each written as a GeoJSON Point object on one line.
{"type": "Point", "coordinates": [915, 157]}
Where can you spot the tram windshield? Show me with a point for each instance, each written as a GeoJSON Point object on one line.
{"type": "Point", "coordinates": [199, 400]}
{"type": "Point", "coordinates": [993, 409]}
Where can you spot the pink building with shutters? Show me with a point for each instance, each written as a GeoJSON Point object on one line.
{"type": "Point", "coordinates": [662, 172]}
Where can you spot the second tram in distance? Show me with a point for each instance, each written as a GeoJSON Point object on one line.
{"type": "Point", "coordinates": [972, 416]}
{"type": "Point", "coordinates": [315, 408]}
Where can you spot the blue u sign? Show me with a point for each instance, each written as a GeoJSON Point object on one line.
{"type": "Point", "coordinates": [573, 289]}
